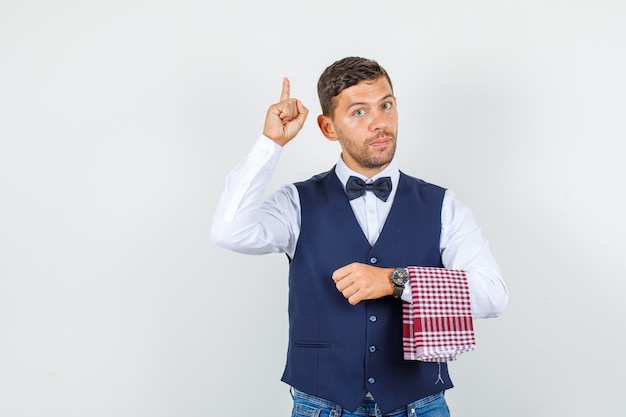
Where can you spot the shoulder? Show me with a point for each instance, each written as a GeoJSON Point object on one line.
{"type": "Point", "coordinates": [315, 179]}
{"type": "Point", "coordinates": [421, 184]}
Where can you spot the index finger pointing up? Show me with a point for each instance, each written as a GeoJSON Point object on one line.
{"type": "Point", "coordinates": [284, 95]}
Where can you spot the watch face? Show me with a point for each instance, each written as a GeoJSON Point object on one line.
{"type": "Point", "coordinates": [400, 276]}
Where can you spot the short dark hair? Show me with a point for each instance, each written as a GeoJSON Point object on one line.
{"type": "Point", "coordinates": [343, 74]}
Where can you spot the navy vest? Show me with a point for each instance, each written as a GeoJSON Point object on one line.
{"type": "Point", "coordinates": [340, 352]}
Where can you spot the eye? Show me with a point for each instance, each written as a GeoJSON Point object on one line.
{"type": "Point", "coordinates": [387, 106]}
{"type": "Point", "coordinates": [359, 113]}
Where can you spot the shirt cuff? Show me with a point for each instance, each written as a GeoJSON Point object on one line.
{"type": "Point", "coordinates": [263, 150]}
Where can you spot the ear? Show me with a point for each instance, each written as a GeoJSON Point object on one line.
{"type": "Point", "coordinates": [327, 127]}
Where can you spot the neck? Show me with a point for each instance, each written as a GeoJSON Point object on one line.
{"type": "Point", "coordinates": [368, 172]}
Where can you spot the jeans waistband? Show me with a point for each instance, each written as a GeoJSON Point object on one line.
{"type": "Point", "coordinates": [367, 405]}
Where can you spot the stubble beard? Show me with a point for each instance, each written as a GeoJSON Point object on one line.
{"type": "Point", "coordinates": [370, 158]}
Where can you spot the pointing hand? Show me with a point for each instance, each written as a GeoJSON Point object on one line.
{"type": "Point", "coordinates": [285, 118]}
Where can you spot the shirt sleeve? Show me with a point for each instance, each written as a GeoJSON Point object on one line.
{"type": "Point", "coordinates": [245, 221]}
{"type": "Point", "coordinates": [464, 247]}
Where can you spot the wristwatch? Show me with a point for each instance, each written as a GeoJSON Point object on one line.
{"type": "Point", "coordinates": [399, 277]}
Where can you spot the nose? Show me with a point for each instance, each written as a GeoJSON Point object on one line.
{"type": "Point", "coordinates": [379, 121]}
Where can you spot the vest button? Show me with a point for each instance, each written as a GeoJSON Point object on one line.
{"type": "Point", "coordinates": [372, 348]}
{"type": "Point", "coordinates": [373, 260]}
{"type": "Point", "coordinates": [373, 319]}
{"type": "Point", "coordinates": [371, 380]}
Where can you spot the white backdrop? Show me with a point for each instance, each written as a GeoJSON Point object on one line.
{"type": "Point", "coordinates": [120, 119]}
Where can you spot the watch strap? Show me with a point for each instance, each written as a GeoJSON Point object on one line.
{"type": "Point", "coordinates": [397, 291]}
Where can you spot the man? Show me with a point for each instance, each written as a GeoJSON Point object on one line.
{"type": "Point", "coordinates": [348, 250]}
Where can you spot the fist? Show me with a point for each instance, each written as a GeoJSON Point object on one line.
{"type": "Point", "coordinates": [285, 118]}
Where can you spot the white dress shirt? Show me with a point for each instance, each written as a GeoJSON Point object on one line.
{"type": "Point", "coordinates": [247, 222]}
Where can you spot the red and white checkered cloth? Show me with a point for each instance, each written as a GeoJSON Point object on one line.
{"type": "Point", "coordinates": [438, 325]}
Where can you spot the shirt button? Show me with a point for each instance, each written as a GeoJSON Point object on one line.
{"type": "Point", "coordinates": [372, 348]}
{"type": "Point", "coordinates": [373, 260]}
{"type": "Point", "coordinates": [371, 380]}
{"type": "Point", "coordinates": [373, 319]}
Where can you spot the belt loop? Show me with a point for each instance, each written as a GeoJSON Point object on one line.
{"type": "Point", "coordinates": [337, 411]}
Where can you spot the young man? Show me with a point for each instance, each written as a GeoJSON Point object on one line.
{"type": "Point", "coordinates": [350, 234]}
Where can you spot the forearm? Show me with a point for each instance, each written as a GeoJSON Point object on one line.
{"type": "Point", "coordinates": [488, 293]}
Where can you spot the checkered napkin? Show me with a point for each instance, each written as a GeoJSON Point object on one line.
{"type": "Point", "coordinates": [438, 325]}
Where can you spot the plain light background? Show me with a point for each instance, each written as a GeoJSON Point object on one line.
{"type": "Point", "coordinates": [119, 121]}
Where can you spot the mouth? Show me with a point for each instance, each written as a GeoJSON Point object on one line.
{"type": "Point", "coordinates": [381, 141]}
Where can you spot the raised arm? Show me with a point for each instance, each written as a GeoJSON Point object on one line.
{"type": "Point", "coordinates": [244, 220]}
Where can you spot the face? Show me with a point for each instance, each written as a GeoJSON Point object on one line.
{"type": "Point", "coordinates": [365, 123]}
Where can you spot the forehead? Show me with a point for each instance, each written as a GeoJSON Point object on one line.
{"type": "Point", "coordinates": [365, 92]}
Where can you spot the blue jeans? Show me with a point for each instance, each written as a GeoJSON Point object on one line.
{"type": "Point", "coordinates": [305, 405]}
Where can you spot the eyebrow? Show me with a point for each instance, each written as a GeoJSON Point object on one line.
{"type": "Point", "coordinates": [362, 103]}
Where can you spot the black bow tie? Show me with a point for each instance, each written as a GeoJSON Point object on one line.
{"type": "Point", "coordinates": [356, 187]}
